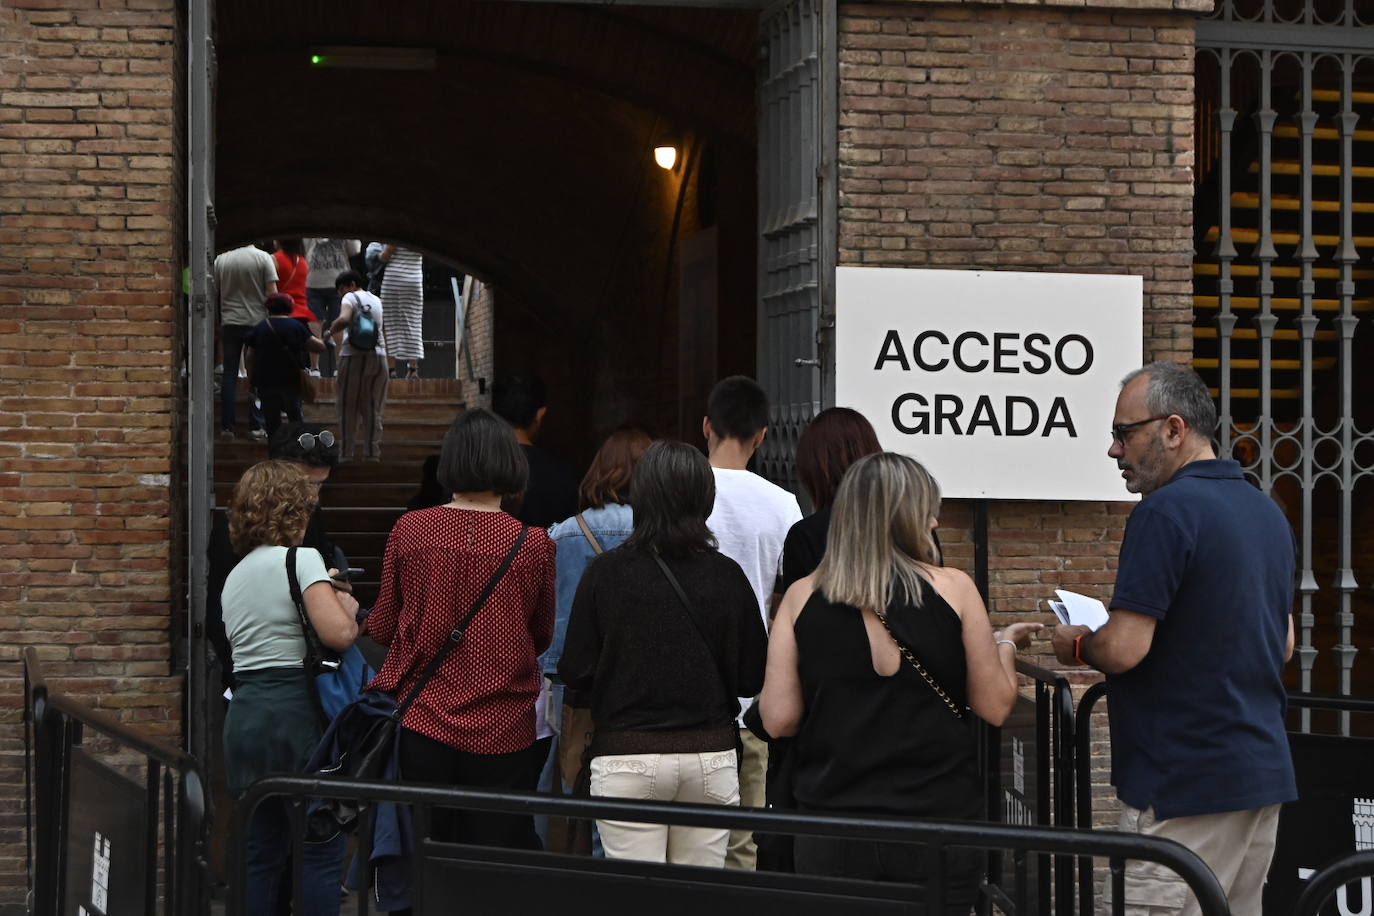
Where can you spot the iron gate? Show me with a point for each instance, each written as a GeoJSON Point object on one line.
{"type": "Point", "coordinates": [797, 137]}
{"type": "Point", "coordinates": [1282, 200]}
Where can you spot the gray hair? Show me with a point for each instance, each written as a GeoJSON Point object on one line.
{"type": "Point", "coordinates": [1176, 389]}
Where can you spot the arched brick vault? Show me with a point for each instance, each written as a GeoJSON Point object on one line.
{"type": "Point", "coordinates": [524, 156]}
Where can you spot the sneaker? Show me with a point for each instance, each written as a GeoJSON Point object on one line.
{"type": "Point", "coordinates": [219, 370]}
{"type": "Point", "coordinates": [226, 435]}
{"type": "Point", "coordinates": [314, 373]}
{"type": "Point", "coordinates": [259, 434]}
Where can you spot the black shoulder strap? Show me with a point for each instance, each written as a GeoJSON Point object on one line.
{"type": "Point", "coordinates": [461, 630]}
{"type": "Point", "coordinates": [696, 623]}
{"type": "Point", "coordinates": [295, 585]}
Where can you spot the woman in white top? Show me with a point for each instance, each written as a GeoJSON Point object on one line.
{"type": "Point", "coordinates": [403, 291]}
{"type": "Point", "coordinates": [274, 722]}
{"type": "Point", "coordinates": [360, 386]}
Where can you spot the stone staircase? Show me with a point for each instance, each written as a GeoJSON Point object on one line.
{"type": "Point", "coordinates": [1286, 266]}
{"type": "Point", "coordinates": [362, 500]}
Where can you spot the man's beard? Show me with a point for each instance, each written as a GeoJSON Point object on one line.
{"type": "Point", "coordinates": [1148, 470]}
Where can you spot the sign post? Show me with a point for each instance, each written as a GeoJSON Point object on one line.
{"type": "Point", "coordinates": [1003, 384]}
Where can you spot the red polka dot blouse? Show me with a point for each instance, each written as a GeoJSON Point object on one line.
{"type": "Point", "coordinates": [437, 561]}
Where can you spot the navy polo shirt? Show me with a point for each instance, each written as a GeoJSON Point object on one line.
{"type": "Point", "coordinates": [1198, 726]}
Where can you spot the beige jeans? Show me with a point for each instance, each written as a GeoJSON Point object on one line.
{"type": "Point", "coordinates": [1237, 845]}
{"type": "Point", "coordinates": [743, 852]}
{"type": "Point", "coordinates": [710, 778]}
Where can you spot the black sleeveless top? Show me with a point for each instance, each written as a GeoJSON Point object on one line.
{"type": "Point", "coordinates": [884, 745]}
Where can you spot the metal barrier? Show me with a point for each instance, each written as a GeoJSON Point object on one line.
{"type": "Point", "coordinates": [1331, 881]}
{"type": "Point", "coordinates": [1083, 779]}
{"type": "Point", "coordinates": [1291, 832]}
{"type": "Point", "coordinates": [1054, 780]}
{"type": "Point", "coordinates": [543, 880]}
{"type": "Point", "coordinates": [97, 831]}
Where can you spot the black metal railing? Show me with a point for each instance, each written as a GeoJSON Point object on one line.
{"type": "Point", "coordinates": [67, 793]}
{"type": "Point", "coordinates": [1327, 883]}
{"type": "Point", "coordinates": [1054, 775]}
{"type": "Point", "coordinates": [727, 891]}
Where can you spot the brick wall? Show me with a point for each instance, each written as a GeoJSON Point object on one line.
{"type": "Point", "coordinates": [1025, 138]}
{"type": "Point", "coordinates": [87, 173]}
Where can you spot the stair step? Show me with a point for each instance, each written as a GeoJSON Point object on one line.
{"type": "Point", "coordinates": [1291, 132]}
{"type": "Point", "coordinates": [1278, 271]}
{"type": "Point", "coordinates": [1250, 200]}
{"type": "Point", "coordinates": [1205, 333]}
{"type": "Point", "coordinates": [1319, 169]}
{"type": "Point", "coordinates": [1334, 95]}
{"type": "Point", "coordinates": [1282, 365]}
{"type": "Point", "coordinates": [1281, 303]}
{"type": "Point", "coordinates": [1250, 236]}
{"type": "Point", "coordinates": [1252, 394]}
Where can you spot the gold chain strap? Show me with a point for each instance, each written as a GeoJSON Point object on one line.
{"type": "Point", "coordinates": [920, 669]}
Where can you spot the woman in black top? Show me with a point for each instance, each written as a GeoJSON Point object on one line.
{"type": "Point", "coordinates": [880, 736]}
{"type": "Point", "coordinates": [663, 676]}
{"type": "Point", "coordinates": [835, 439]}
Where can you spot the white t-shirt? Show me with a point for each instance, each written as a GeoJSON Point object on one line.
{"type": "Point", "coordinates": [260, 619]}
{"type": "Point", "coordinates": [327, 259]}
{"type": "Point", "coordinates": [243, 276]}
{"type": "Point", "coordinates": [750, 520]}
{"type": "Point", "coordinates": [351, 300]}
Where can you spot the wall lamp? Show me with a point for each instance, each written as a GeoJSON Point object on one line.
{"type": "Point", "coordinates": [364, 57]}
{"type": "Point", "coordinates": [666, 156]}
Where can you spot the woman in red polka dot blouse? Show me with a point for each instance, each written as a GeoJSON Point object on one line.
{"type": "Point", "coordinates": [473, 725]}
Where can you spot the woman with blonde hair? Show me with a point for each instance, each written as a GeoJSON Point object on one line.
{"type": "Point", "coordinates": [274, 720]}
{"type": "Point", "coordinates": [882, 651]}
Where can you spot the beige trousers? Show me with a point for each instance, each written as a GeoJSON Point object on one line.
{"type": "Point", "coordinates": [705, 778]}
{"type": "Point", "coordinates": [1237, 845]}
{"type": "Point", "coordinates": [743, 852]}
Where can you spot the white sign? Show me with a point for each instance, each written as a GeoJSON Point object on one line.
{"type": "Point", "coordinates": [1002, 384]}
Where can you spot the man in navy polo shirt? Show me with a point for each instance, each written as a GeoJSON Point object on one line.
{"type": "Point", "coordinates": [1199, 631]}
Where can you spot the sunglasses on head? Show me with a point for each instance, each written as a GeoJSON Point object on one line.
{"type": "Point", "coordinates": [308, 441]}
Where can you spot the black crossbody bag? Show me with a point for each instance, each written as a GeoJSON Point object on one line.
{"type": "Point", "coordinates": [367, 732]}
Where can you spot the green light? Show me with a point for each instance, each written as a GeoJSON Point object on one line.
{"type": "Point", "coordinates": [316, 59]}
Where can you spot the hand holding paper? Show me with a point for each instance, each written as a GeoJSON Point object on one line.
{"type": "Point", "coordinates": [1077, 610]}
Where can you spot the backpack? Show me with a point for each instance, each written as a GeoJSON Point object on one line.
{"type": "Point", "coordinates": [362, 327]}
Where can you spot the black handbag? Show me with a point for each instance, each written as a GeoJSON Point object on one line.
{"type": "Point", "coordinates": [363, 740]}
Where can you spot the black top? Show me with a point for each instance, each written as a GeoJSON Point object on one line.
{"type": "Point", "coordinates": [551, 494]}
{"type": "Point", "coordinates": [804, 547]}
{"type": "Point", "coordinates": [655, 686]}
{"type": "Point", "coordinates": [884, 745]}
{"type": "Point", "coordinates": [278, 344]}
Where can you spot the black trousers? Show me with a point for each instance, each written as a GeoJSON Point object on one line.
{"type": "Point", "coordinates": [425, 760]}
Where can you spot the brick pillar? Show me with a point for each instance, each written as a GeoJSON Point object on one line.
{"type": "Point", "coordinates": [1038, 137]}
{"type": "Point", "coordinates": [89, 219]}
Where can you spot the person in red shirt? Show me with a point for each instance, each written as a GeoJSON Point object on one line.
{"type": "Point", "coordinates": [474, 722]}
{"type": "Point", "coordinates": [292, 273]}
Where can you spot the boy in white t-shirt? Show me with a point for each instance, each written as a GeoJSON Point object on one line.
{"type": "Point", "coordinates": [750, 520]}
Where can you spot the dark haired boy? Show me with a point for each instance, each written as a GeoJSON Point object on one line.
{"type": "Point", "coordinates": [750, 521]}
{"type": "Point", "coordinates": [551, 494]}
{"type": "Point", "coordinates": [275, 359]}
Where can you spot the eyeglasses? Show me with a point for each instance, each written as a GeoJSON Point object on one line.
{"type": "Point", "coordinates": [307, 441]}
{"type": "Point", "coordinates": [1122, 431]}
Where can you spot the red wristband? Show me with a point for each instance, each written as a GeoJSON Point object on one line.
{"type": "Point", "coordinates": [1078, 648]}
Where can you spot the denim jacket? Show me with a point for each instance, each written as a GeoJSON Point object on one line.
{"type": "Point", "coordinates": [612, 525]}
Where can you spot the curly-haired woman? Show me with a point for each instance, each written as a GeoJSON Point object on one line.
{"type": "Point", "coordinates": [273, 722]}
